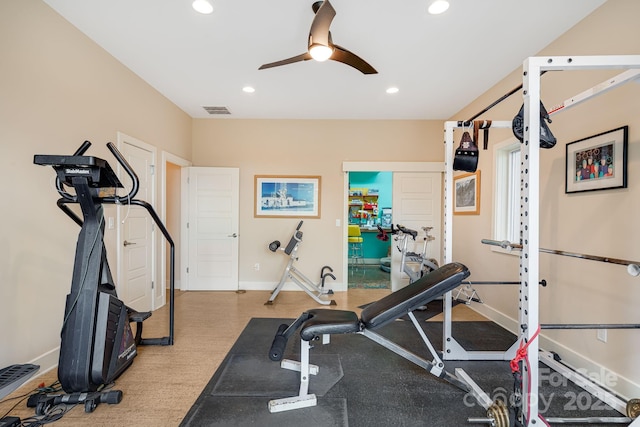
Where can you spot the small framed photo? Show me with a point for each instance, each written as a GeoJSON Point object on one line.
{"type": "Point", "coordinates": [598, 162]}
{"type": "Point", "coordinates": [466, 200]}
{"type": "Point", "coordinates": [283, 196]}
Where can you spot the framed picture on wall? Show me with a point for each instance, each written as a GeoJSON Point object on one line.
{"type": "Point", "coordinates": [466, 188]}
{"type": "Point", "coordinates": [278, 196]}
{"type": "Point", "coordinates": [598, 162]}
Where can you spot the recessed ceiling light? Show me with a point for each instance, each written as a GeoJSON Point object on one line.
{"type": "Point", "coordinates": [248, 89]}
{"type": "Point", "coordinates": [202, 6]}
{"type": "Point", "coordinates": [438, 6]}
{"type": "Point", "coordinates": [393, 90]}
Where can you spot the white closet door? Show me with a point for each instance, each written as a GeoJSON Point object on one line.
{"type": "Point", "coordinates": [417, 203]}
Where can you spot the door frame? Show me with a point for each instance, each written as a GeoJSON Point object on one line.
{"type": "Point", "coordinates": [123, 138]}
{"type": "Point", "coordinates": [375, 167]}
{"type": "Point", "coordinates": [166, 157]}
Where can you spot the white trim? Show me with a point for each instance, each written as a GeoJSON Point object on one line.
{"type": "Point", "coordinates": [501, 151]}
{"type": "Point", "coordinates": [47, 361]}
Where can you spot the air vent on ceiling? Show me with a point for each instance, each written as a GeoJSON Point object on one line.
{"type": "Point", "coordinates": [217, 110]}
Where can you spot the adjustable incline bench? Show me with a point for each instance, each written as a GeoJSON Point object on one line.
{"type": "Point", "coordinates": [325, 322]}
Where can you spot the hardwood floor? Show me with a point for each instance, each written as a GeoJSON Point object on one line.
{"type": "Point", "coordinates": [164, 382]}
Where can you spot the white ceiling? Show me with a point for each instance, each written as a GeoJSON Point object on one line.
{"type": "Point", "coordinates": [439, 63]}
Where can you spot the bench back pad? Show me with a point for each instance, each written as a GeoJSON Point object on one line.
{"type": "Point", "coordinates": [429, 287]}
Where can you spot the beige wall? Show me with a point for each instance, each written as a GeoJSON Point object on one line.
{"type": "Point", "coordinates": [57, 88]}
{"type": "Point", "coordinates": [305, 147]}
{"type": "Point", "coordinates": [60, 88]}
{"type": "Point", "coordinates": [598, 223]}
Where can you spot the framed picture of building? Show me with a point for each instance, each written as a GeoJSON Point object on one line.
{"type": "Point", "coordinates": [278, 196]}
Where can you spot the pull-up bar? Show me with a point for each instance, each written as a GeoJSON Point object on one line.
{"type": "Point", "coordinates": [633, 267]}
{"type": "Point", "coordinates": [496, 102]}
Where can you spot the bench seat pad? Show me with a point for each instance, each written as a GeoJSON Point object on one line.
{"type": "Point", "coordinates": [327, 321]}
{"type": "Point", "coordinates": [429, 287]}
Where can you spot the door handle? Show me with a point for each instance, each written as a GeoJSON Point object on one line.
{"type": "Point", "coordinates": [128, 243]}
{"type": "Point", "coordinates": [233, 235]}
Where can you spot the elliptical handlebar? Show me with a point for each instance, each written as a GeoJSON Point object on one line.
{"type": "Point", "coordinates": [129, 170]}
{"type": "Point", "coordinates": [83, 148]}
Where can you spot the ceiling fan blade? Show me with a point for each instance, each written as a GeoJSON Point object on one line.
{"type": "Point", "coordinates": [341, 54]}
{"type": "Point", "coordinates": [302, 57]}
{"type": "Point", "coordinates": [319, 32]}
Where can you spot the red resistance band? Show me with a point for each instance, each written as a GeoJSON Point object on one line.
{"type": "Point", "coordinates": [522, 352]}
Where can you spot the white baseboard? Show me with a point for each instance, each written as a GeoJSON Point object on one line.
{"type": "Point", "coordinates": [176, 284]}
{"type": "Point", "coordinates": [622, 386]}
{"type": "Point", "coordinates": [47, 361]}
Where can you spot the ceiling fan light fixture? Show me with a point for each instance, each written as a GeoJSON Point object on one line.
{"type": "Point", "coordinates": [320, 52]}
{"type": "Point", "coordinates": [438, 6]}
{"type": "Point", "coordinates": [202, 6]}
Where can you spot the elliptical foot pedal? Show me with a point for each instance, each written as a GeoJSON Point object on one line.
{"type": "Point", "coordinates": [137, 316]}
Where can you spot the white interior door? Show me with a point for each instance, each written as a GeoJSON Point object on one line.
{"type": "Point", "coordinates": [136, 237]}
{"type": "Point", "coordinates": [417, 203]}
{"type": "Point", "coordinates": [213, 220]}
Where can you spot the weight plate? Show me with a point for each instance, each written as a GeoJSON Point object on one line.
{"type": "Point", "coordinates": [633, 408]}
{"type": "Point", "coordinates": [499, 413]}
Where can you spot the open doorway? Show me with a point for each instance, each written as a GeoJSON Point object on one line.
{"type": "Point", "coordinates": [171, 214]}
{"type": "Point", "coordinates": [416, 203]}
{"type": "Point", "coordinates": [369, 206]}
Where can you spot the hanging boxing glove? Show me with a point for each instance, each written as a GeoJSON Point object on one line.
{"type": "Point", "coordinates": [466, 156]}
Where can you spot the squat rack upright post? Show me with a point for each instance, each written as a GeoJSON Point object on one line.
{"type": "Point", "coordinates": [530, 197]}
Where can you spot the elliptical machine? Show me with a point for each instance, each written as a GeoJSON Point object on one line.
{"type": "Point", "coordinates": [97, 341]}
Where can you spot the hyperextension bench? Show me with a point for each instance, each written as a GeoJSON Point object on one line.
{"type": "Point", "coordinates": [318, 323]}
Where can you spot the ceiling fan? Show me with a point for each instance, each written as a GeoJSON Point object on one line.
{"type": "Point", "coordinates": [321, 47]}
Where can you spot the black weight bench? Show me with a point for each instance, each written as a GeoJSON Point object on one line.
{"type": "Point", "coordinates": [318, 323]}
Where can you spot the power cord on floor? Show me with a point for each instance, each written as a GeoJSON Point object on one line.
{"type": "Point", "coordinates": [52, 415]}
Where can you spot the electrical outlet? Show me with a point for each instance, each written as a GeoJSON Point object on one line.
{"type": "Point", "coordinates": [602, 335]}
{"type": "Point", "coordinates": [256, 266]}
